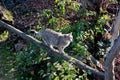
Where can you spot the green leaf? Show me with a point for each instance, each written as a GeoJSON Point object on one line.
{"type": "Point", "coordinates": [56, 78]}
{"type": "Point", "coordinates": [56, 1]}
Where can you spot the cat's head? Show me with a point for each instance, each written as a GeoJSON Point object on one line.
{"type": "Point", "coordinates": [69, 37]}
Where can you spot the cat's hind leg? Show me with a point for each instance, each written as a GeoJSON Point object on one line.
{"type": "Point", "coordinates": [51, 46]}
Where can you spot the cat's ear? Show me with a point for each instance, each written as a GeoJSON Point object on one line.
{"type": "Point", "coordinates": [70, 33]}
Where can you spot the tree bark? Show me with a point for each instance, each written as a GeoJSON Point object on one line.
{"type": "Point", "coordinates": [109, 60]}
{"type": "Point", "coordinates": [53, 52]}
{"type": "Point", "coordinates": [114, 51]}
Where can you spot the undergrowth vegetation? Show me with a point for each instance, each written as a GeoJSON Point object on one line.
{"type": "Point", "coordinates": [34, 64]}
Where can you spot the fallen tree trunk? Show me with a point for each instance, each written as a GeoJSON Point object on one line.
{"type": "Point", "coordinates": [52, 52]}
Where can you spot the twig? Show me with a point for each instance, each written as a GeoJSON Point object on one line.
{"type": "Point", "coordinates": [96, 62]}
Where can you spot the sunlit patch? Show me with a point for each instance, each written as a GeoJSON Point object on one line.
{"type": "Point", "coordinates": [4, 36]}
{"type": "Point", "coordinates": [107, 36]}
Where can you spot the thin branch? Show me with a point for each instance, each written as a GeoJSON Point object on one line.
{"type": "Point", "coordinates": [52, 52]}
{"type": "Point", "coordinates": [96, 62]}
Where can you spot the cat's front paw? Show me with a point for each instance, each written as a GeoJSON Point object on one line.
{"type": "Point", "coordinates": [55, 50]}
{"type": "Point", "coordinates": [61, 52]}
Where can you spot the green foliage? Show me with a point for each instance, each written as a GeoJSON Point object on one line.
{"type": "Point", "coordinates": [27, 63]}
{"type": "Point", "coordinates": [7, 15]}
{"type": "Point", "coordinates": [61, 6]}
{"type": "Point", "coordinates": [47, 13]}
{"type": "Point", "coordinates": [58, 22]}
{"type": "Point", "coordinates": [79, 32]}
{"type": "Point", "coordinates": [103, 20]}
{"type": "Point", "coordinates": [80, 49]}
{"type": "Point", "coordinates": [34, 64]}
{"type": "Point", "coordinates": [74, 6]}
{"type": "Point", "coordinates": [6, 62]}
{"type": "Point", "coordinates": [65, 71]}
{"type": "Point", "coordinates": [56, 17]}
{"type": "Point", "coordinates": [113, 0]}
{"type": "Point", "coordinates": [4, 36]}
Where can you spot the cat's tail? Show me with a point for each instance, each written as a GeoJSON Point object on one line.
{"type": "Point", "coordinates": [36, 33]}
{"type": "Point", "coordinates": [33, 31]}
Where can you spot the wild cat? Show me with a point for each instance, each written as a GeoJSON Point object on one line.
{"type": "Point", "coordinates": [55, 39]}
